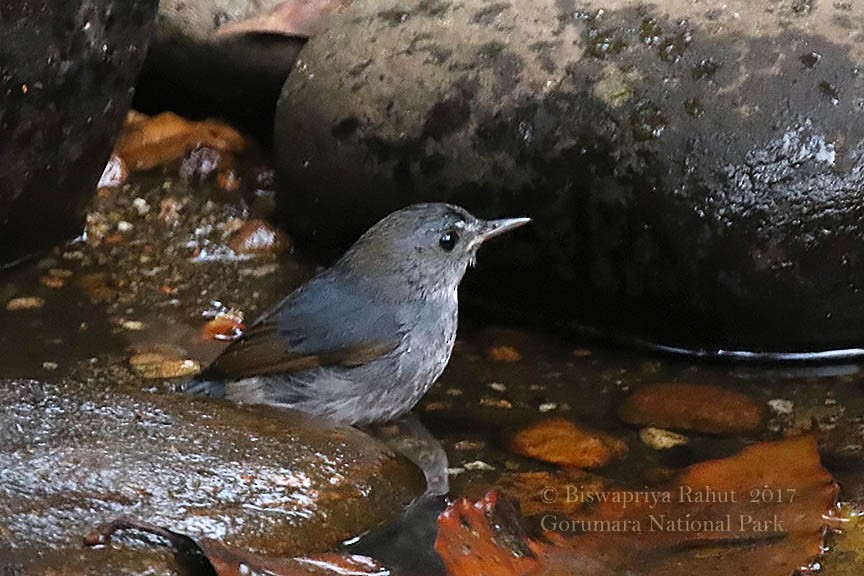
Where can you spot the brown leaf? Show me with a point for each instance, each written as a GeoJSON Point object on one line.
{"type": "Point", "coordinates": [485, 538]}
{"type": "Point", "coordinates": [296, 18]}
{"type": "Point", "coordinates": [146, 143]}
{"type": "Point", "coordinates": [759, 513]}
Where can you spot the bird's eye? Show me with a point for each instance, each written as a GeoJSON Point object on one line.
{"type": "Point", "coordinates": [448, 240]}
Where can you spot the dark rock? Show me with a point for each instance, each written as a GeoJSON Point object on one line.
{"type": "Point", "coordinates": [66, 78]}
{"type": "Point", "coordinates": [195, 72]}
{"type": "Point", "coordinates": [692, 182]}
{"type": "Point", "coordinates": [271, 480]}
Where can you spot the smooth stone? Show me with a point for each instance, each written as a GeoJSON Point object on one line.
{"type": "Point", "coordinates": [693, 408]}
{"type": "Point", "coordinates": [257, 478]}
{"type": "Point", "coordinates": [66, 78]}
{"type": "Point", "coordinates": [564, 443]}
{"type": "Point", "coordinates": [695, 174]}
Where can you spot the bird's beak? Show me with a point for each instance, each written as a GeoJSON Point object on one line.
{"type": "Point", "coordinates": [492, 228]}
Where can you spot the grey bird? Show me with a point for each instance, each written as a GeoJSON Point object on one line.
{"type": "Point", "coordinates": [364, 340]}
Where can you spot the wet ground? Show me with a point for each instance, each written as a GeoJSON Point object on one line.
{"type": "Point", "coordinates": [125, 312]}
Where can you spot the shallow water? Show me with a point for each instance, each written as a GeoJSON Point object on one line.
{"type": "Point", "coordinates": [148, 291]}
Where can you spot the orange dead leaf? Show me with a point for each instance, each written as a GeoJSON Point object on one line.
{"type": "Point", "coordinates": [146, 143]}
{"type": "Point", "coordinates": [759, 513]}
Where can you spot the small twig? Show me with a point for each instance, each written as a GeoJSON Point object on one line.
{"type": "Point", "coordinates": [102, 534]}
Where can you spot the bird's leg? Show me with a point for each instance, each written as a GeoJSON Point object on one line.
{"type": "Point", "coordinates": [412, 439]}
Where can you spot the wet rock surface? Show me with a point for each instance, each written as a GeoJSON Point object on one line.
{"type": "Point", "coordinates": [74, 456]}
{"type": "Point", "coordinates": [692, 181]}
{"type": "Point", "coordinates": [156, 289]}
{"type": "Point", "coordinates": [66, 81]}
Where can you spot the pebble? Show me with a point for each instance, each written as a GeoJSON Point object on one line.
{"type": "Point", "coordinates": [478, 465]}
{"type": "Point", "coordinates": [503, 354]}
{"type": "Point", "coordinates": [560, 441]}
{"type": "Point", "coordinates": [693, 408]}
{"type": "Point", "coordinates": [660, 439]}
{"type": "Point", "coordinates": [52, 281]}
{"type": "Point", "coordinates": [781, 406]}
{"type": "Point", "coordinates": [114, 174]}
{"type": "Point", "coordinates": [25, 303]}
{"type": "Point", "coordinates": [496, 403]}
{"type": "Point", "coordinates": [155, 365]}
{"type": "Point", "coordinates": [259, 237]}
{"type": "Point", "coordinates": [466, 445]}
{"type": "Point", "coordinates": [132, 325]}
{"type": "Point", "coordinates": [141, 206]}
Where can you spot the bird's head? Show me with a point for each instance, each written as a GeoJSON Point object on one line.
{"type": "Point", "coordinates": [424, 247]}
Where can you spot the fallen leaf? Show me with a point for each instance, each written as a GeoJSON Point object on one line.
{"type": "Point", "coordinates": [294, 18]}
{"type": "Point", "coordinates": [146, 143]}
{"type": "Point", "coordinates": [537, 492]}
{"type": "Point", "coordinates": [486, 538]}
{"type": "Point", "coordinates": [759, 513]}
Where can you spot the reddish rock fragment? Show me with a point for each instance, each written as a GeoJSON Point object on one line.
{"type": "Point", "coordinates": [562, 442]}
{"type": "Point", "coordinates": [259, 237]}
{"type": "Point", "coordinates": [694, 408]}
{"type": "Point", "coordinates": [224, 326]}
{"type": "Point", "coordinates": [503, 354]}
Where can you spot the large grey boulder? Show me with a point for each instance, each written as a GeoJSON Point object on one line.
{"type": "Point", "coordinates": [695, 171]}
{"type": "Point", "coordinates": [67, 71]}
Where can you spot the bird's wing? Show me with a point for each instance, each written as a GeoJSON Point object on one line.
{"type": "Point", "coordinates": [324, 323]}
